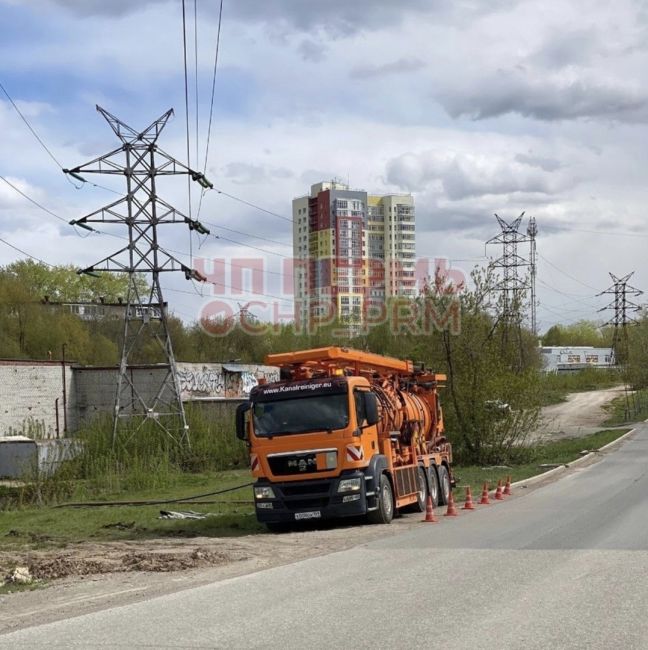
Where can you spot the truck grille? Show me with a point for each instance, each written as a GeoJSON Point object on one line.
{"type": "Point", "coordinates": [305, 488]}
{"type": "Point", "coordinates": [313, 503]}
{"type": "Point", "coordinates": [294, 464]}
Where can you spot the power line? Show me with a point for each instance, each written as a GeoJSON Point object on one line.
{"type": "Point", "coordinates": [247, 234]}
{"type": "Point", "coordinates": [36, 203]}
{"type": "Point", "coordinates": [243, 292]}
{"type": "Point", "coordinates": [211, 103]}
{"type": "Point", "coordinates": [196, 70]}
{"type": "Point", "coordinates": [574, 296]}
{"type": "Point", "coordinates": [252, 205]}
{"type": "Point", "coordinates": [601, 232]}
{"type": "Point", "coordinates": [33, 257]}
{"type": "Point", "coordinates": [31, 128]}
{"type": "Point", "coordinates": [256, 248]}
{"type": "Point", "coordinates": [587, 286]}
{"type": "Point", "coordinates": [186, 93]}
{"type": "Point", "coordinates": [46, 148]}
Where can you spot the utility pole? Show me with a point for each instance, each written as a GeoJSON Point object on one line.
{"type": "Point", "coordinates": [532, 231]}
{"type": "Point", "coordinates": [621, 305]}
{"type": "Point", "coordinates": [511, 285]}
{"type": "Point", "coordinates": [141, 162]}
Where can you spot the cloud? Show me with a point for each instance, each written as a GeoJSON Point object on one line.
{"type": "Point", "coordinates": [543, 97]}
{"type": "Point", "coordinates": [570, 47]}
{"type": "Point", "coordinates": [312, 51]}
{"type": "Point", "coordinates": [338, 18]}
{"type": "Point", "coordinates": [403, 65]}
{"type": "Point", "coordinates": [104, 8]}
{"type": "Point", "coordinates": [458, 175]}
{"type": "Point", "coordinates": [546, 163]}
{"type": "Point", "coordinates": [249, 174]}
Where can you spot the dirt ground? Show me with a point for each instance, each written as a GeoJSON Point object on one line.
{"type": "Point", "coordinates": [85, 577]}
{"type": "Point", "coordinates": [581, 415]}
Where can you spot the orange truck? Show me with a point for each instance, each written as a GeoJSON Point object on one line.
{"type": "Point", "coordinates": [345, 433]}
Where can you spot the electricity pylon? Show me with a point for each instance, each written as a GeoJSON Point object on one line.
{"type": "Point", "coordinates": [511, 285]}
{"type": "Point", "coordinates": [621, 305]}
{"type": "Point", "coordinates": [142, 211]}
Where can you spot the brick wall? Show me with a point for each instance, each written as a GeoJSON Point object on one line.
{"type": "Point", "coordinates": [28, 393]}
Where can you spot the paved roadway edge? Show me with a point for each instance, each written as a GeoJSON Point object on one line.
{"type": "Point", "coordinates": [575, 463]}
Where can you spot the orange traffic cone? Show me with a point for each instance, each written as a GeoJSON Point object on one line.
{"type": "Point", "coordinates": [429, 511]}
{"type": "Point", "coordinates": [507, 487]}
{"type": "Point", "coordinates": [469, 505]}
{"type": "Point", "coordinates": [498, 492]}
{"type": "Point", "coordinates": [484, 501]}
{"type": "Point", "coordinates": [452, 510]}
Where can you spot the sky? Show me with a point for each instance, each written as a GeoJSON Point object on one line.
{"type": "Point", "coordinates": [474, 107]}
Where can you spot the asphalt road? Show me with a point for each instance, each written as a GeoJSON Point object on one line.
{"type": "Point", "coordinates": [563, 566]}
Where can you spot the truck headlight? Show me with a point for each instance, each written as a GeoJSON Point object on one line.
{"type": "Point", "coordinates": [350, 485]}
{"type": "Point", "coordinates": [264, 492]}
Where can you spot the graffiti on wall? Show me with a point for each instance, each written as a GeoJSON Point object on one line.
{"type": "Point", "coordinates": [207, 380]}
{"type": "Point", "coordinates": [215, 381]}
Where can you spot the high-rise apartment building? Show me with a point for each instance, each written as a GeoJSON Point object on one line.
{"type": "Point", "coordinates": [352, 251]}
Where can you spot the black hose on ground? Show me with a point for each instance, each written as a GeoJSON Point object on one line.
{"type": "Point", "coordinates": [91, 504]}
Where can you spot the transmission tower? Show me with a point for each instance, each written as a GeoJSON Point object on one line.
{"type": "Point", "coordinates": [532, 231]}
{"type": "Point", "coordinates": [511, 285]}
{"type": "Point", "coordinates": [142, 211]}
{"type": "Point", "coordinates": [621, 305]}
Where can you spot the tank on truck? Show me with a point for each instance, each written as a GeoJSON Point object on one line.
{"type": "Point", "coordinates": [344, 433]}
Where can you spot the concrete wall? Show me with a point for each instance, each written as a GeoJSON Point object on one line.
{"type": "Point", "coordinates": [29, 390]}
{"type": "Point", "coordinates": [96, 388]}
{"type": "Point", "coordinates": [18, 456]}
{"type": "Point", "coordinates": [21, 456]}
{"type": "Point", "coordinates": [28, 393]}
{"type": "Point", "coordinates": [214, 381]}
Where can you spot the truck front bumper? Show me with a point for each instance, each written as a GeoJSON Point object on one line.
{"type": "Point", "coordinates": [311, 500]}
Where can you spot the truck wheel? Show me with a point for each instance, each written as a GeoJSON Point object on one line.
{"type": "Point", "coordinates": [444, 485]}
{"type": "Point", "coordinates": [433, 481]}
{"type": "Point", "coordinates": [385, 512]}
{"type": "Point", "coordinates": [421, 496]}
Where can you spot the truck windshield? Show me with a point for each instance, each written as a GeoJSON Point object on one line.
{"type": "Point", "coordinates": [301, 415]}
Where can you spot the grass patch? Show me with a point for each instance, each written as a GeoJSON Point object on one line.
{"type": "Point", "coordinates": [557, 452]}
{"type": "Point", "coordinates": [632, 409]}
{"type": "Point", "coordinates": [12, 588]}
{"type": "Point", "coordinates": [47, 527]}
{"type": "Point", "coordinates": [33, 527]}
{"type": "Point", "coordinates": [554, 387]}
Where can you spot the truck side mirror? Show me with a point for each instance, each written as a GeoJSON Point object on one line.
{"type": "Point", "coordinates": [241, 429]}
{"type": "Point", "coordinates": [371, 408]}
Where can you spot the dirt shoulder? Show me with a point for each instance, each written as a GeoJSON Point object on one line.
{"type": "Point", "coordinates": [580, 415]}
{"type": "Point", "coordinates": [90, 576]}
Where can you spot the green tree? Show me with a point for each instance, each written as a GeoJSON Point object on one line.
{"type": "Point", "coordinates": [63, 284]}
{"type": "Point", "coordinates": [583, 332]}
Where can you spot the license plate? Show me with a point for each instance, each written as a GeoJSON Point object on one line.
{"type": "Point", "coordinates": [313, 514]}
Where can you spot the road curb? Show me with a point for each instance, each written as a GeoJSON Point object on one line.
{"type": "Point", "coordinates": [532, 480]}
